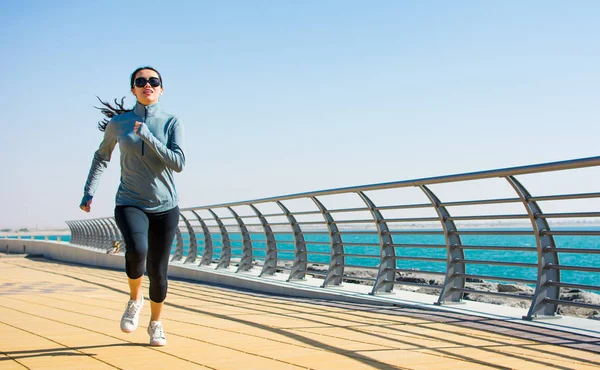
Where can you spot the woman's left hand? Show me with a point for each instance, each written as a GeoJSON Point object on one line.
{"type": "Point", "coordinates": [137, 127]}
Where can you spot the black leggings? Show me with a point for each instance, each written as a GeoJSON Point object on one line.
{"type": "Point", "coordinates": [148, 238]}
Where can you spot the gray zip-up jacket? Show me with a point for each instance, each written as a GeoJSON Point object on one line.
{"type": "Point", "coordinates": [148, 158]}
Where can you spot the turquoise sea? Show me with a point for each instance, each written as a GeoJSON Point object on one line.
{"type": "Point", "coordinates": [368, 256]}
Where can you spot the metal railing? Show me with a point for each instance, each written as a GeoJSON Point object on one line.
{"type": "Point", "coordinates": [383, 230]}
{"type": "Point", "coordinates": [33, 236]}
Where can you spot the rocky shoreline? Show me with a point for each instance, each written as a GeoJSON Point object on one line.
{"type": "Point", "coordinates": [430, 284]}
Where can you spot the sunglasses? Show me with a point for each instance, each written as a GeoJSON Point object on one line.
{"type": "Point", "coordinates": [142, 81]}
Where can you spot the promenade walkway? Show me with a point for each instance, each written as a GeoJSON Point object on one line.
{"type": "Point", "coordinates": [65, 316]}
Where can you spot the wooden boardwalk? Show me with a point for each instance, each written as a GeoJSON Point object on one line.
{"type": "Point", "coordinates": [64, 316]}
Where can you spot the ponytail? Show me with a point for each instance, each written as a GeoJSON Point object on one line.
{"type": "Point", "coordinates": [109, 111]}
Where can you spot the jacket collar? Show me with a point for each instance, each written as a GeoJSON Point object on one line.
{"type": "Point", "coordinates": [146, 110]}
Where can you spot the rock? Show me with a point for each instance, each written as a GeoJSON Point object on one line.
{"type": "Point", "coordinates": [316, 268]}
{"type": "Point", "coordinates": [483, 287]}
{"type": "Point", "coordinates": [508, 288]}
{"type": "Point", "coordinates": [431, 291]}
{"type": "Point", "coordinates": [580, 296]}
{"type": "Point", "coordinates": [474, 280]}
{"type": "Point", "coordinates": [419, 278]}
{"type": "Point", "coordinates": [515, 288]}
{"type": "Point", "coordinates": [413, 279]}
{"type": "Point", "coordinates": [352, 281]}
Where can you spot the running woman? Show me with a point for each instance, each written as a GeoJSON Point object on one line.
{"type": "Point", "coordinates": [151, 143]}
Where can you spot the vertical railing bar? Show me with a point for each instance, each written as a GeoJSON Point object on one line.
{"type": "Point", "coordinates": [207, 253]}
{"type": "Point", "coordinates": [81, 232]}
{"type": "Point", "coordinates": [85, 235]}
{"type": "Point", "coordinates": [89, 238]}
{"type": "Point", "coordinates": [300, 264]}
{"type": "Point", "coordinates": [71, 225]}
{"type": "Point", "coordinates": [178, 254]}
{"type": "Point", "coordinates": [92, 231]}
{"type": "Point", "coordinates": [113, 237]}
{"type": "Point", "coordinates": [118, 242]}
{"type": "Point", "coordinates": [386, 274]}
{"type": "Point", "coordinates": [246, 260]}
{"type": "Point", "coordinates": [270, 265]}
{"type": "Point", "coordinates": [117, 232]}
{"type": "Point", "coordinates": [225, 258]}
{"type": "Point", "coordinates": [74, 231]}
{"type": "Point", "coordinates": [540, 308]}
{"type": "Point", "coordinates": [193, 248]}
{"type": "Point", "coordinates": [335, 273]}
{"type": "Point", "coordinates": [455, 266]}
{"type": "Point", "coordinates": [107, 240]}
{"type": "Point", "coordinates": [95, 234]}
{"type": "Point", "coordinates": [98, 240]}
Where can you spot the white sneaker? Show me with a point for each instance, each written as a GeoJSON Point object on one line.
{"type": "Point", "coordinates": [157, 334]}
{"type": "Point", "coordinates": [131, 316]}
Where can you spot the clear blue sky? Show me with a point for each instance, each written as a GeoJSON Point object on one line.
{"type": "Point", "coordinates": [280, 97]}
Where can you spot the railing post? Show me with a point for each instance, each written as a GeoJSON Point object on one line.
{"type": "Point", "coordinates": [207, 253]}
{"type": "Point", "coordinates": [335, 274]}
{"type": "Point", "coordinates": [71, 226]}
{"type": "Point", "coordinates": [116, 232]}
{"type": "Point", "coordinates": [100, 232]}
{"type": "Point", "coordinates": [386, 276]}
{"type": "Point", "coordinates": [79, 228]}
{"type": "Point", "coordinates": [540, 308]}
{"type": "Point", "coordinates": [112, 236]}
{"type": "Point", "coordinates": [454, 252]}
{"type": "Point", "coordinates": [299, 267]}
{"type": "Point", "coordinates": [81, 232]}
{"type": "Point", "coordinates": [107, 235]}
{"type": "Point", "coordinates": [225, 258]}
{"type": "Point", "coordinates": [95, 237]}
{"type": "Point", "coordinates": [98, 235]}
{"type": "Point", "coordinates": [178, 254]}
{"type": "Point", "coordinates": [87, 233]}
{"type": "Point", "coordinates": [246, 260]}
{"type": "Point", "coordinates": [193, 249]}
{"type": "Point", "coordinates": [74, 230]}
{"type": "Point", "coordinates": [270, 265]}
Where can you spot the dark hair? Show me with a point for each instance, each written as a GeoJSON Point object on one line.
{"type": "Point", "coordinates": [109, 111]}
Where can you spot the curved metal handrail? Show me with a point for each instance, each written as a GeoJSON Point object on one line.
{"type": "Point", "coordinates": [509, 171]}
{"type": "Point", "coordinates": [322, 240]}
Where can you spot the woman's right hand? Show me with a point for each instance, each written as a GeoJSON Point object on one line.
{"type": "Point", "coordinates": [87, 206]}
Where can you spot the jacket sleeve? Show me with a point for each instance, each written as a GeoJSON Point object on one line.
{"type": "Point", "coordinates": [100, 162]}
{"type": "Point", "coordinates": [171, 154]}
